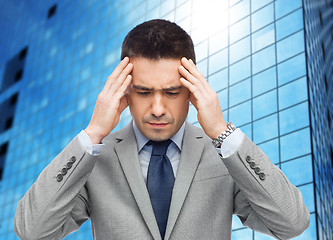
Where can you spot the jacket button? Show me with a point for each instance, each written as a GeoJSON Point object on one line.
{"type": "Point", "coordinates": [248, 159]}
{"type": "Point", "coordinates": [64, 171]}
{"type": "Point", "coordinates": [262, 176]}
{"type": "Point", "coordinates": [72, 160]}
{"type": "Point", "coordinates": [59, 177]}
{"type": "Point", "coordinates": [257, 170]}
{"type": "Point", "coordinates": [252, 165]}
{"type": "Point", "coordinates": [69, 165]}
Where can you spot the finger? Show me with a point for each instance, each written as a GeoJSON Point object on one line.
{"type": "Point", "coordinates": [204, 81]}
{"type": "Point", "coordinates": [193, 80]}
{"type": "Point", "coordinates": [117, 83]}
{"type": "Point", "coordinates": [192, 98]}
{"type": "Point", "coordinates": [193, 89]}
{"type": "Point", "coordinates": [114, 85]}
{"type": "Point", "coordinates": [117, 71]}
{"type": "Point", "coordinates": [191, 67]}
{"type": "Point", "coordinates": [122, 89]}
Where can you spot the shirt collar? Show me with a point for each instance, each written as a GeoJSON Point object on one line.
{"type": "Point", "coordinates": [142, 140]}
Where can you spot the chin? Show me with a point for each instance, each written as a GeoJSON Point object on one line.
{"type": "Point", "coordinates": [158, 137]}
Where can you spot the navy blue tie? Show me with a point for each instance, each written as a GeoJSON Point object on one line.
{"type": "Point", "coordinates": [160, 180]}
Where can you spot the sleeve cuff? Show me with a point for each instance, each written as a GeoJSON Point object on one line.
{"type": "Point", "coordinates": [93, 149]}
{"type": "Point", "coordinates": [231, 143]}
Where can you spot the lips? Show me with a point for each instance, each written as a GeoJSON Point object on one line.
{"type": "Point", "coordinates": [158, 125]}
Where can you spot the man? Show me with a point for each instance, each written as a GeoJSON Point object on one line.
{"type": "Point", "coordinates": [160, 177]}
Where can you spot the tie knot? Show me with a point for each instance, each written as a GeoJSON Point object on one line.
{"type": "Point", "coordinates": [159, 148]}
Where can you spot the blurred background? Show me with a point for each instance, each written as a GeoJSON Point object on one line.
{"type": "Point", "coordinates": [270, 61]}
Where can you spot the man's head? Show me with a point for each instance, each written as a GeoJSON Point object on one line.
{"type": "Point", "coordinates": [158, 39]}
{"type": "Point", "coordinates": [157, 100]}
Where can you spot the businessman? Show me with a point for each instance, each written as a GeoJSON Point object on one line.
{"type": "Point", "coordinates": [160, 177]}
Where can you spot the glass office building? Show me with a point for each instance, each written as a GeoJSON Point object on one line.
{"type": "Point", "coordinates": [270, 61]}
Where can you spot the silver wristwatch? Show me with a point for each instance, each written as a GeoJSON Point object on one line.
{"type": "Point", "coordinates": [219, 140]}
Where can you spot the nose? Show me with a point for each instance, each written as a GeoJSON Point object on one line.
{"type": "Point", "coordinates": [157, 107]}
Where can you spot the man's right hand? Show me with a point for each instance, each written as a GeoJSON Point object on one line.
{"type": "Point", "coordinates": [111, 102]}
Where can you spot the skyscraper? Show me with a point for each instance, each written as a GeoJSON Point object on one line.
{"type": "Point", "coordinates": [269, 61]}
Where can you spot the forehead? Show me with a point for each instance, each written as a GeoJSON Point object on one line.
{"type": "Point", "coordinates": [162, 73]}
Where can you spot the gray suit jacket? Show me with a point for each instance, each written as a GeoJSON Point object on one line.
{"type": "Point", "coordinates": [110, 190]}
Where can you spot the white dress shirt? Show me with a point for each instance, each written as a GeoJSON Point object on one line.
{"type": "Point", "coordinates": [229, 146]}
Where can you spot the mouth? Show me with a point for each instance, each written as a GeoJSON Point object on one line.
{"type": "Point", "coordinates": [158, 125]}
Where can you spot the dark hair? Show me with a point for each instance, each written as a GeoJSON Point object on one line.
{"type": "Point", "coordinates": [156, 39]}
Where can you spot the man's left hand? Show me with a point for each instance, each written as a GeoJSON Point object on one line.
{"type": "Point", "coordinates": [203, 98]}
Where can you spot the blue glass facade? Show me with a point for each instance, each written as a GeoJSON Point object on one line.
{"type": "Point", "coordinates": [254, 54]}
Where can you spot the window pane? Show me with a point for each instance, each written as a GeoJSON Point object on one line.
{"type": "Point", "coordinates": [182, 11]}
{"type": "Point", "coordinates": [219, 80]}
{"type": "Point", "coordinates": [240, 70]}
{"type": "Point", "coordinates": [263, 17]}
{"type": "Point", "coordinates": [236, 222]}
{"type": "Point", "coordinates": [289, 24]}
{"type": "Point", "coordinates": [202, 67]}
{"type": "Point", "coordinates": [263, 38]}
{"type": "Point", "coordinates": [240, 30]}
{"type": "Point", "coordinates": [239, 50]}
{"type": "Point", "coordinates": [240, 92]}
{"type": "Point", "coordinates": [247, 130]}
{"type": "Point", "coordinates": [290, 46]}
{"type": "Point", "coordinates": [239, 11]}
{"type": "Point", "coordinates": [263, 59]}
{"type": "Point", "coordinates": [293, 93]}
{"type": "Point", "coordinates": [167, 6]}
{"type": "Point", "coordinates": [264, 81]}
{"type": "Point", "coordinates": [244, 234]}
{"type": "Point", "coordinates": [308, 196]}
{"type": "Point", "coordinates": [201, 51]}
{"type": "Point", "coordinates": [256, 4]}
{"type": "Point", "coordinates": [294, 118]}
{"type": "Point", "coordinates": [283, 7]}
{"type": "Point", "coordinates": [192, 114]}
{"type": "Point", "coordinates": [240, 114]}
{"type": "Point", "coordinates": [298, 171]}
{"type": "Point", "coordinates": [218, 61]}
{"type": "Point", "coordinates": [291, 69]}
{"type": "Point", "coordinates": [265, 129]}
{"type": "Point", "coordinates": [295, 144]}
{"type": "Point", "coordinates": [264, 105]}
{"type": "Point", "coordinates": [218, 41]}
{"type": "Point", "coordinates": [271, 149]}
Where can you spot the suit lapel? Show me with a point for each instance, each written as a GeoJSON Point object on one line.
{"type": "Point", "coordinates": [190, 157]}
{"type": "Point", "coordinates": [126, 149]}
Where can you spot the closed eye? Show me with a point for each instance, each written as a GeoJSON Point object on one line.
{"type": "Point", "coordinates": [144, 93]}
{"type": "Point", "coordinates": [172, 94]}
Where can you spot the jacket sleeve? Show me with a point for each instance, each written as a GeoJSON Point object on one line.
{"type": "Point", "coordinates": [57, 203]}
{"type": "Point", "coordinates": [264, 199]}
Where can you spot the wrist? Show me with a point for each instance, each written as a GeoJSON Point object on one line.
{"type": "Point", "coordinates": [94, 136]}
{"type": "Point", "coordinates": [219, 140]}
{"type": "Point", "coordinates": [219, 129]}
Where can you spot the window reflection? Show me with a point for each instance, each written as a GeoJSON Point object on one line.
{"type": "Point", "coordinates": [264, 81]}
{"type": "Point", "coordinates": [262, 17]}
{"type": "Point", "coordinates": [240, 70]}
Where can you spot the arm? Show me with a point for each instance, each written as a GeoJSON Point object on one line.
{"type": "Point", "coordinates": [58, 203]}
{"type": "Point", "coordinates": [55, 206]}
{"type": "Point", "coordinates": [264, 198]}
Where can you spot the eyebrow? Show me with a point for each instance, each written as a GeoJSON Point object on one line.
{"type": "Point", "coordinates": [138, 87]}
